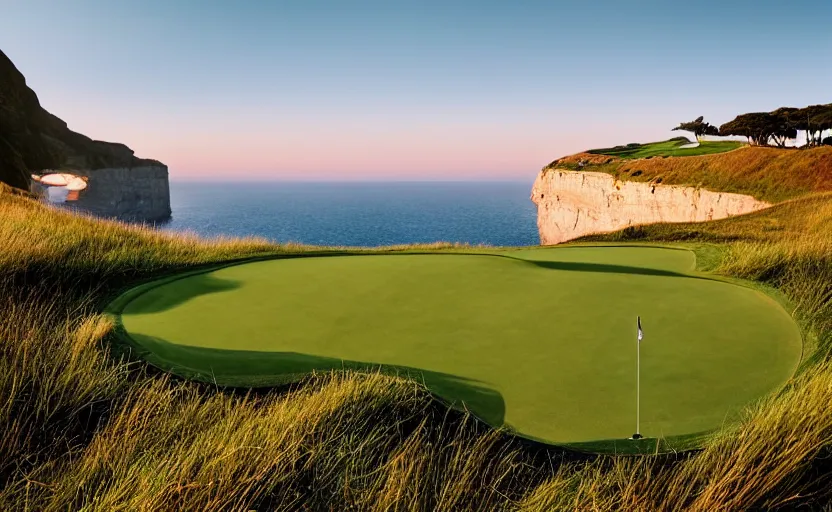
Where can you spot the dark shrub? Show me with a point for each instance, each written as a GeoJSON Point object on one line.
{"type": "Point", "coordinates": [632, 233]}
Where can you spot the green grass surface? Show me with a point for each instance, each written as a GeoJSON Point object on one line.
{"type": "Point", "coordinates": [668, 148]}
{"type": "Point", "coordinates": [539, 340]}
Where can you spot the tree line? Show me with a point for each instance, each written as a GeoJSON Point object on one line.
{"type": "Point", "coordinates": [771, 128]}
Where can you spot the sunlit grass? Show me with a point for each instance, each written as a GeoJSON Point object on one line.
{"type": "Point", "coordinates": [83, 429]}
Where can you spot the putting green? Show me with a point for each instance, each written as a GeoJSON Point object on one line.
{"type": "Point", "coordinates": [540, 340]}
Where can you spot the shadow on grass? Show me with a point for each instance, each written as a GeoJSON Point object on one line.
{"type": "Point", "coordinates": [252, 369]}
{"type": "Point", "coordinates": [244, 371]}
{"type": "Point", "coordinates": [577, 266]}
{"type": "Point", "coordinates": [202, 282]}
{"type": "Point", "coordinates": [196, 285]}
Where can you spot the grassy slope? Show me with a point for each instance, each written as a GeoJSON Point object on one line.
{"type": "Point", "coordinates": [83, 430]}
{"type": "Point", "coordinates": [769, 174]}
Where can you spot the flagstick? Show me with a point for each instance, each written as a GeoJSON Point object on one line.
{"type": "Point", "coordinates": [638, 390]}
{"type": "Point", "coordinates": [637, 435]}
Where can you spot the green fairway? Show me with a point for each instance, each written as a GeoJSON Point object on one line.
{"type": "Point", "coordinates": [540, 340]}
{"type": "Point", "coordinates": [670, 147]}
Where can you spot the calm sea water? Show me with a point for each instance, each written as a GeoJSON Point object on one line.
{"type": "Point", "coordinates": [358, 214]}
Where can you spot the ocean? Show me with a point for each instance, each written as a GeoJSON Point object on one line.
{"type": "Point", "coordinates": [358, 213]}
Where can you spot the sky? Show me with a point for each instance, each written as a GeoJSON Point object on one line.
{"type": "Point", "coordinates": [407, 90]}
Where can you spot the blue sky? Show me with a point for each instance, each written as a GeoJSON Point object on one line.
{"type": "Point", "coordinates": [407, 90]}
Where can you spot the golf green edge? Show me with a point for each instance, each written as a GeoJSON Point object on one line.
{"type": "Point", "coordinates": [618, 445]}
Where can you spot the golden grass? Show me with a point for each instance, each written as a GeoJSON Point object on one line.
{"type": "Point", "coordinates": [799, 218]}
{"type": "Point", "coordinates": [83, 429]}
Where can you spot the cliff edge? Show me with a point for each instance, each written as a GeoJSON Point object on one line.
{"type": "Point", "coordinates": [591, 193]}
{"type": "Point", "coordinates": [33, 140]}
{"type": "Point", "coordinates": [572, 204]}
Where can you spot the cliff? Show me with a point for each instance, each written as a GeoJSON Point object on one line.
{"type": "Point", "coordinates": [134, 194]}
{"type": "Point", "coordinates": [598, 192]}
{"type": "Point", "coordinates": [571, 204]}
{"type": "Point", "coordinates": [33, 140]}
{"type": "Point", "coordinates": [769, 174]}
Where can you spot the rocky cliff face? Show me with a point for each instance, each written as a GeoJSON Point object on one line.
{"type": "Point", "coordinates": [571, 204]}
{"type": "Point", "coordinates": [129, 194]}
{"type": "Point", "coordinates": [32, 140]}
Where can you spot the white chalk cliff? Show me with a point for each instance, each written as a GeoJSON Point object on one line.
{"type": "Point", "coordinates": [571, 204]}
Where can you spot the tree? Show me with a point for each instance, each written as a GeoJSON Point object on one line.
{"type": "Point", "coordinates": [824, 121]}
{"type": "Point", "coordinates": [698, 127]}
{"type": "Point", "coordinates": [761, 127]}
{"type": "Point", "coordinates": [783, 125]}
{"type": "Point", "coordinates": [814, 120]}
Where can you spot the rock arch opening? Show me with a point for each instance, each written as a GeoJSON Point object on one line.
{"type": "Point", "coordinates": [59, 187]}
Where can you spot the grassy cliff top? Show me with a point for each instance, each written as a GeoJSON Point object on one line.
{"type": "Point", "coordinates": [672, 147]}
{"type": "Point", "coordinates": [768, 174]}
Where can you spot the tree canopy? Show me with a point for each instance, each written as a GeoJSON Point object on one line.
{"type": "Point", "coordinates": [765, 128]}
{"type": "Point", "coordinates": [814, 120]}
{"type": "Point", "coordinates": [761, 127]}
{"type": "Point", "coordinates": [698, 127]}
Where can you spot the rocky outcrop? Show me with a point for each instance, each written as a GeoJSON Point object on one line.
{"type": "Point", "coordinates": [33, 140]}
{"type": "Point", "coordinates": [571, 204]}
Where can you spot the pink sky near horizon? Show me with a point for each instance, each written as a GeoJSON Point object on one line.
{"type": "Point", "coordinates": [407, 148]}
{"type": "Point", "coordinates": [239, 137]}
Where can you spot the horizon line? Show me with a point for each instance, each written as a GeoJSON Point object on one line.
{"type": "Point", "coordinates": [173, 179]}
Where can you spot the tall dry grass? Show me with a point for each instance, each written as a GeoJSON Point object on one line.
{"type": "Point", "coordinates": [113, 437]}
{"type": "Point", "coordinates": [797, 262]}
{"type": "Point", "coordinates": [81, 429]}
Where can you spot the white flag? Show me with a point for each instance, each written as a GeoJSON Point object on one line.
{"type": "Point", "coordinates": [640, 333]}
